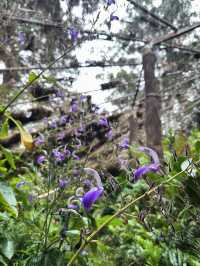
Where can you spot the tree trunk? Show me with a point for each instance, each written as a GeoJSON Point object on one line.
{"type": "Point", "coordinates": [152, 104]}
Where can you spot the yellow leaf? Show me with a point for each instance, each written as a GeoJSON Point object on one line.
{"type": "Point", "coordinates": [26, 139]}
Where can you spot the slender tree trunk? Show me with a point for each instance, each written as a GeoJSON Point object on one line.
{"type": "Point", "coordinates": [133, 128]}
{"type": "Point", "coordinates": [152, 104]}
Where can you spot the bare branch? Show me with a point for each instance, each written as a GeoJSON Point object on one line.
{"type": "Point", "coordinates": [165, 22]}
{"type": "Point", "coordinates": [93, 64]}
{"type": "Point", "coordinates": [177, 34]}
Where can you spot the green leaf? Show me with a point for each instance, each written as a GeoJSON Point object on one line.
{"type": "Point", "coordinates": [4, 130]}
{"type": "Point", "coordinates": [8, 201]}
{"type": "Point", "coordinates": [7, 248]}
{"type": "Point", "coordinates": [3, 217]}
{"type": "Point", "coordinates": [197, 146]}
{"type": "Point", "coordinates": [3, 170]}
{"type": "Point", "coordinates": [32, 76]}
{"type": "Point", "coordinates": [2, 261]}
{"type": "Point", "coordinates": [9, 157]}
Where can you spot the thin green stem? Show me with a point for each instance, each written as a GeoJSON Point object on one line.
{"type": "Point", "coordinates": [120, 211]}
{"type": "Point", "coordinates": [36, 78]}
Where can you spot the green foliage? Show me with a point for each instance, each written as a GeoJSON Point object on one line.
{"type": "Point", "coordinates": [160, 229]}
{"type": "Point", "coordinates": [7, 200]}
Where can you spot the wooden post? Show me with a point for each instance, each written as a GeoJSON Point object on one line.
{"type": "Point", "coordinates": [152, 104]}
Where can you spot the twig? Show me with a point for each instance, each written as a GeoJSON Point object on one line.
{"type": "Point", "coordinates": [36, 78]}
{"type": "Point", "coordinates": [165, 22]}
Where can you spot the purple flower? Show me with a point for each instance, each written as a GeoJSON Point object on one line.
{"type": "Point", "coordinates": [144, 170]}
{"type": "Point", "coordinates": [53, 124]}
{"type": "Point", "coordinates": [20, 184]}
{"type": "Point", "coordinates": [21, 37]}
{"type": "Point", "coordinates": [39, 140]}
{"type": "Point", "coordinates": [83, 98]}
{"type": "Point", "coordinates": [40, 159]}
{"type": "Point", "coordinates": [91, 197]}
{"type": "Point", "coordinates": [64, 119]}
{"type": "Point", "coordinates": [124, 144]}
{"type": "Point", "coordinates": [151, 153]}
{"type": "Point", "coordinates": [113, 17]}
{"type": "Point", "coordinates": [79, 131]}
{"type": "Point", "coordinates": [60, 94]}
{"type": "Point", "coordinates": [74, 106]}
{"type": "Point", "coordinates": [103, 122]}
{"type": "Point", "coordinates": [62, 183]}
{"type": "Point", "coordinates": [60, 136]}
{"type": "Point", "coordinates": [67, 152]}
{"type": "Point", "coordinates": [59, 156]}
{"type": "Point", "coordinates": [31, 198]}
{"type": "Point", "coordinates": [110, 2]}
{"type": "Point", "coordinates": [73, 34]}
{"type": "Point", "coordinates": [109, 134]}
{"type": "Point", "coordinates": [73, 206]}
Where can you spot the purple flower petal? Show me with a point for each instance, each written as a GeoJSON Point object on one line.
{"type": "Point", "coordinates": [73, 206]}
{"type": "Point", "coordinates": [91, 197]}
{"type": "Point", "coordinates": [40, 159]}
{"type": "Point", "coordinates": [31, 198]}
{"type": "Point", "coordinates": [60, 94]}
{"type": "Point", "coordinates": [103, 122]}
{"type": "Point", "coordinates": [60, 136]}
{"type": "Point", "coordinates": [53, 124]}
{"type": "Point", "coordinates": [74, 106]}
{"type": "Point", "coordinates": [110, 2]}
{"type": "Point", "coordinates": [64, 119]}
{"type": "Point", "coordinates": [21, 37]}
{"type": "Point", "coordinates": [20, 184]}
{"type": "Point", "coordinates": [63, 183]}
{"type": "Point", "coordinates": [39, 140]}
{"type": "Point", "coordinates": [124, 144]}
{"type": "Point", "coordinates": [67, 153]}
{"type": "Point", "coordinates": [59, 156]}
{"type": "Point", "coordinates": [151, 153]}
{"type": "Point", "coordinates": [113, 17]}
{"type": "Point", "coordinates": [83, 98]}
{"type": "Point", "coordinates": [73, 34]}
{"type": "Point", "coordinates": [109, 134]}
{"type": "Point", "coordinates": [144, 170]}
